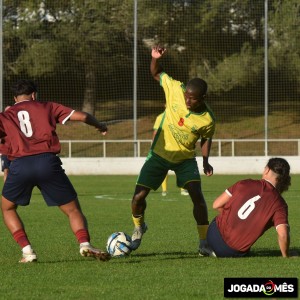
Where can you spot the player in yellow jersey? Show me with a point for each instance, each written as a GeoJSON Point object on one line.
{"type": "Point", "coordinates": [186, 119]}
{"type": "Point", "coordinates": [164, 185]}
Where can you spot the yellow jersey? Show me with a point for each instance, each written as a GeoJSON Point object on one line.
{"type": "Point", "coordinates": [180, 129]}
{"type": "Point", "coordinates": [158, 121]}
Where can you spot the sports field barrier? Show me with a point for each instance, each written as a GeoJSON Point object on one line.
{"type": "Point", "coordinates": [132, 165]}
{"type": "Point", "coordinates": [104, 164]}
{"type": "Point", "coordinates": [220, 148]}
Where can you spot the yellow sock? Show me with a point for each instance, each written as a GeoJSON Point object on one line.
{"type": "Point", "coordinates": [164, 184]}
{"type": "Point", "coordinates": [138, 221]}
{"type": "Point", "coordinates": [202, 231]}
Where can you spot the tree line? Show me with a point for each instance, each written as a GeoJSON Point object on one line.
{"type": "Point", "coordinates": [82, 50]}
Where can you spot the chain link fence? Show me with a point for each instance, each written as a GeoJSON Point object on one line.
{"type": "Point", "coordinates": [95, 56]}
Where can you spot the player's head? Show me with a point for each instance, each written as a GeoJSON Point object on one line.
{"type": "Point", "coordinates": [24, 87]}
{"type": "Point", "coordinates": [282, 169]}
{"type": "Point", "coordinates": [195, 93]}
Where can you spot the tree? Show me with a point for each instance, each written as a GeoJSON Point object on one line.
{"type": "Point", "coordinates": [91, 42]}
{"type": "Point", "coordinates": [284, 42]}
{"type": "Point", "coordinates": [53, 35]}
{"type": "Point", "coordinates": [221, 41]}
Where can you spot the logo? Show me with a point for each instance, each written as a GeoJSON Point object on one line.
{"type": "Point", "coordinates": [181, 122]}
{"type": "Point", "coordinates": [260, 288]}
{"type": "Point", "coordinates": [270, 288]}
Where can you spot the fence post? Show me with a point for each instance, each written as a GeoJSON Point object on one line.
{"type": "Point", "coordinates": [266, 77]}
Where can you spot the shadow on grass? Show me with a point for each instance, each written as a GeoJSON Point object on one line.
{"type": "Point", "coordinates": [167, 255]}
{"type": "Point", "coordinates": [136, 258]}
{"type": "Point", "coordinates": [294, 252]}
{"type": "Point", "coordinates": [79, 260]}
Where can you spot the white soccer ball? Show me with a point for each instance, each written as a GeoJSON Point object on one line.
{"type": "Point", "coordinates": [118, 244]}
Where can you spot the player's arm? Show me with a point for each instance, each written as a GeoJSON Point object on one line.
{"type": "Point", "coordinates": [155, 67]}
{"type": "Point", "coordinates": [205, 150]}
{"type": "Point", "coordinates": [220, 202]}
{"type": "Point", "coordinates": [283, 239]}
{"type": "Point", "coordinates": [90, 120]}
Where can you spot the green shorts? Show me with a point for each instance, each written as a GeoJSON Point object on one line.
{"type": "Point", "coordinates": [156, 168]}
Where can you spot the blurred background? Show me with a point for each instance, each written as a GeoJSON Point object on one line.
{"type": "Point", "coordinates": [95, 56]}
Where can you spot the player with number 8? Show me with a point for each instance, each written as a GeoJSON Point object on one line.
{"type": "Point", "coordinates": [29, 128]}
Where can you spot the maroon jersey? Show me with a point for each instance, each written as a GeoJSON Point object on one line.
{"type": "Point", "coordinates": [3, 147]}
{"type": "Point", "coordinates": [254, 207]}
{"type": "Point", "coordinates": [30, 127]}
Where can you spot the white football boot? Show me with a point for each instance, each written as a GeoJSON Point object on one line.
{"type": "Point", "coordinates": [137, 236]}
{"type": "Point", "coordinates": [87, 250]}
{"type": "Point", "coordinates": [28, 257]}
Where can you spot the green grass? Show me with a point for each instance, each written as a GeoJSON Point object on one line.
{"type": "Point", "coordinates": [166, 266]}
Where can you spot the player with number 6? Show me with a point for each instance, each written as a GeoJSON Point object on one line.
{"type": "Point", "coordinates": [248, 209]}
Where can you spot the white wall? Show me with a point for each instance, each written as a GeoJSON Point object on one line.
{"type": "Point", "coordinates": [132, 166]}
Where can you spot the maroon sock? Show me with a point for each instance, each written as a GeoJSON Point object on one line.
{"type": "Point", "coordinates": [21, 238]}
{"type": "Point", "coordinates": [82, 236]}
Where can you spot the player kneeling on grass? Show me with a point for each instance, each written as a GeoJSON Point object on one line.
{"type": "Point", "coordinates": [30, 126]}
{"type": "Point", "coordinates": [187, 118]}
{"type": "Point", "coordinates": [248, 209]}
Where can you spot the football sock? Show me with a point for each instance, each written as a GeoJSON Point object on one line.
{"type": "Point", "coordinates": [202, 231]}
{"type": "Point", "coordinates": [27, 249]}
{"type": "Point", "coordinates": [138, 220]}
{"type": "Point", "coordinates": [164, 184]}
{"type": "Point", "coordinates": [82, 236]}
{"type": "Point", "coordinates": [21, 238]}
{"type": "Point", "coordinates": [84, 244]}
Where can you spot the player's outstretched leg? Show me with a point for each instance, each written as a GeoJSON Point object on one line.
{"type": "Point", "coordinates": [78, 225]}
{"type": "Point", "coordinates": [201, 217]}
{"type": "Point", "coordinates": [138, 207]}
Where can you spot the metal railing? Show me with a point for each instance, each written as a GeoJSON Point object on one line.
{"type": "Point", "coordinates": [220, 147]}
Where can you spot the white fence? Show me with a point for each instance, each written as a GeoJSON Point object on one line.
{"type": "Point", "coordinates": [132, 165]}
{"type": "Point", "coordinates": [231, 163]}
{"type": "Point", "coordinates": [220, 146]}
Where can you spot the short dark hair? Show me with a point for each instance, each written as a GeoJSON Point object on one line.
{"type": "Point", "coordinates": [282, 168]}
{"type": "Point", "coordinates": [199, 85]}
{"type": "Point", "coordinates": [24, 87]}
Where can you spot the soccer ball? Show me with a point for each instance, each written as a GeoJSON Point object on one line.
{"type": "Point", "coordinates": [118, 244]}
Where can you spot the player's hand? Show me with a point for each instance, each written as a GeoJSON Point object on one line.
{"type": "Point", "coordinates": [102, 128]}
{"type": "Point", "coordinates": [158, 51]}
{"type": "Point", "coordinates": [208, 169]}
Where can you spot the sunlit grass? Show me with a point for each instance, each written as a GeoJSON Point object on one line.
{"type": "Point", "coordinates": [166, 266]}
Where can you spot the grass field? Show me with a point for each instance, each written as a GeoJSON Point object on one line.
{"type": "Point", "coordinates": [166, 266]}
